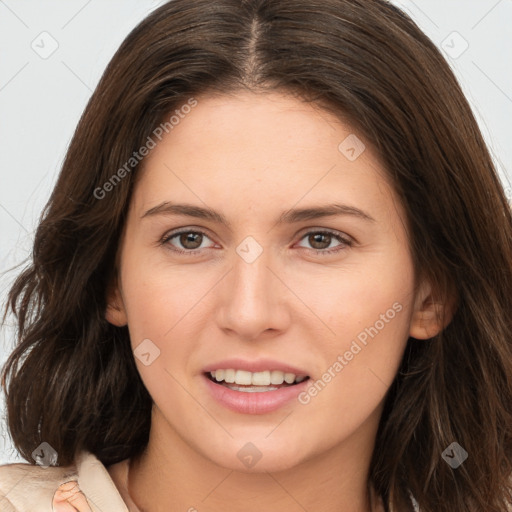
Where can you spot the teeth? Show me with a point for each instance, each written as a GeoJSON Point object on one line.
{"type": "Point", "coordinates": [265, 378]}
{"type": "Point", "coordinates": [260, 378]}
{"type": "Point", "coordinates": [229, 376]}
{"type": "Point", "coordinates": [276, 377]}
{"type": "Point", "coordinates": [289, 378]}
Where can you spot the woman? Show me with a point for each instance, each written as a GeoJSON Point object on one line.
{"type": "Point", "coordinates": [275, 273]}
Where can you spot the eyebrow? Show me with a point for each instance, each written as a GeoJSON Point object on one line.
{"type": "Point", "coordinates": [287, 217]}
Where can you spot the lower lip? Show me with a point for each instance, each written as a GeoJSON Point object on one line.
{"type": "Point", "coordinates": [254, 402]}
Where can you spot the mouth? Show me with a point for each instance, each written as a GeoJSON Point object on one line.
{"type": "Point", "coordinates": [261, 392]}
{"type": "Point", "coordinates": [254, 382]}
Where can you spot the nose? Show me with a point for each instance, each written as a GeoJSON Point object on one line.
{"type": "Point", "coordinates": [253, 300]}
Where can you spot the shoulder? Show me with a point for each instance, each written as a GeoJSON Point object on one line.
{"type": "Point", "coordinates": [27, 487]}
{"type": "Point", "coordinates": [31, 488]}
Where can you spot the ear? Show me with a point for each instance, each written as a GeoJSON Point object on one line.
{"type": "Point", "coordinates": [431, 315]}
{"type": "Point", "coordinates": [115, 312]}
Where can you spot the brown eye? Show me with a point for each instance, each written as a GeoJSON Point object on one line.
{"type": "Point", "coordinates": [191, 240]}
{"type": "Point", "coordinates": [186, 241]}
{"type": "Point", "coordinates": [320, 241]}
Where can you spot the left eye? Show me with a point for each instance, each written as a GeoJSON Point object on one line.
{"type": "Point", "coordinates": [321, 240]}
{"type": "Point", "coordinates": [191, 241]}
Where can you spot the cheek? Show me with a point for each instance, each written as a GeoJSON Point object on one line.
{"type": "Point", "coordinates": [349, 301]}
{"type": "Point", "coordinates": [360, 362]}
{"type": "Point", "coordinates": [157, 319]}
{"type": "Point", "coordinates": [165, 306]}
{"type": "Point", "coordinates": [159, 297]}
{"type": "Point", "coordinates": [368, 312]}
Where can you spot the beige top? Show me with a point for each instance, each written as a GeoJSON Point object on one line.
{"type": "Point", "coordinates": [28, 488]}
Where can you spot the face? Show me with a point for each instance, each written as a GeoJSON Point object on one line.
{"type": "Point", "coordinates": [302, 272]}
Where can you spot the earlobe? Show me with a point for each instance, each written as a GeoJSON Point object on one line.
{"type": "Point", "coordinates": [115, 312]}
{"type": "Point", "coordinates": [430, 316]}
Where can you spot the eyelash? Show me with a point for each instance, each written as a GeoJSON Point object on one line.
{"type": "Point", "coordinates": [345, 242]}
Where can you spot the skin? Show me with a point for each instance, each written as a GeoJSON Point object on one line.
{"type": "Point", "coordinates": [68, 498]}
{"type": "Point", "coordinates": [251, 157]}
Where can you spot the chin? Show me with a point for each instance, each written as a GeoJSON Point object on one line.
{"type": "Point", "coordinates": [257, 456]}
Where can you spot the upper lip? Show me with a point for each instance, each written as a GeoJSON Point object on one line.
{"type": "Point", "coordinates": [259, 365]}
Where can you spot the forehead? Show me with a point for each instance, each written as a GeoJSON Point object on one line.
{"type": "Point", "coordinates": [263, 124]}
{"type": "Point", "coordinates": [257, 150]}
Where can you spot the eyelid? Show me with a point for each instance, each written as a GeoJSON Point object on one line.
{"type": "Point", "coordinates": [330, 231]}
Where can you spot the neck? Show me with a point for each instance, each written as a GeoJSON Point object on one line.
{"type": "Point", "coordinates": [171, 476]}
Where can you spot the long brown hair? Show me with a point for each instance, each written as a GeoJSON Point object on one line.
{"type": "Point", "coordinates": [71, 380]}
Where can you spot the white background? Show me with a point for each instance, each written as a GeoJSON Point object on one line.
{"type": "Point", "coordinates": [41, 99]}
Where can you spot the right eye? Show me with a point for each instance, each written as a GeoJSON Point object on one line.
{"type": "Point", "coordinates": [190, 241]}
